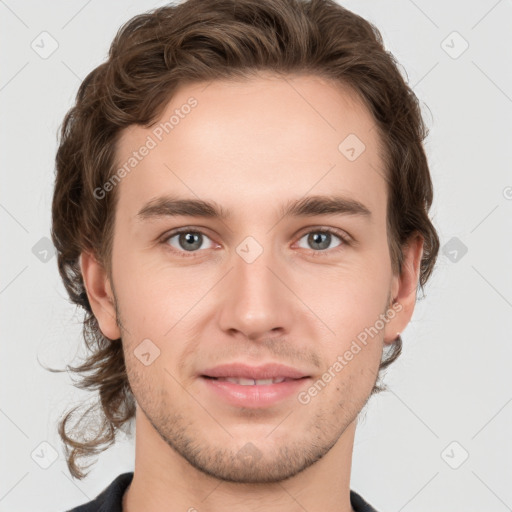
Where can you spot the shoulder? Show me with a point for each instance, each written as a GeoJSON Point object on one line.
{"type": "Point", "coordinates": [110, 499]}
{"type": "Point", "coordinates": [359, 504]}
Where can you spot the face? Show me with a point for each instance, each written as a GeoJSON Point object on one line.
{"type": "Point", "coordinates": [255, 286]}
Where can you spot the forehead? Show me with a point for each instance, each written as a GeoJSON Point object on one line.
{"type": "Point", "coordinates": [249, 143]}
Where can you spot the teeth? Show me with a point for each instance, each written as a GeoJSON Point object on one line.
{"type": "Point", "coordinates": [252, 382]}
{"type": "Point", "coordinates": [243, 382]}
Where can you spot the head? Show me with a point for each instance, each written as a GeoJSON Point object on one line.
{"type": "Point", "coordinates": [251, 110]}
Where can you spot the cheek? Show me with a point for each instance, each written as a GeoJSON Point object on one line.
{"type": "Point", "coordinates": [346, 298]}
{"type": "Point", "coordinates": [349, 305]}
{"type": "Point", "coordinates": [150, 303]}
{"type": "Point", "coordinates": [152, 307]}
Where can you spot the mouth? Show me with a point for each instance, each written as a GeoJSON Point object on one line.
{"type": "Point", "coordinates": [243, 385]}
{"type": "Point", "coordinates": [243, 381]}
{"type": "Point", "coordinates": [242, 392]}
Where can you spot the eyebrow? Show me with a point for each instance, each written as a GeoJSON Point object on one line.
{"type": "Point", "coordinates": [171, 206]}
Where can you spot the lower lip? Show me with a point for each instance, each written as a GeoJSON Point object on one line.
{"type": "Point", "coordinates": [254, 396]}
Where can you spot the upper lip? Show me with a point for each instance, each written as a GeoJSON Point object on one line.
{"type": "Point", "coordinates": [266, 371]}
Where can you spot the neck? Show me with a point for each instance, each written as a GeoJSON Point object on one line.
{"type": "Point", "coordinates": [164, 480]}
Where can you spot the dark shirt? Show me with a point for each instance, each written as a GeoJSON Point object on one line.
{"type": "Point", "coordinates": [111, 498]}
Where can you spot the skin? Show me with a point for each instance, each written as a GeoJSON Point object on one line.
{"type": "Point", "coordinates": [251, 146]}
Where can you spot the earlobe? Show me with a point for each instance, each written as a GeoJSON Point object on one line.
{"type": "Point", "coordinates": [99, 293]}
{"type": "Point", "coordinates": [405, 288]}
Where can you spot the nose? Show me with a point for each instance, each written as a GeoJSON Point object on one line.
{"type": "Point", "coordinates": [256, 300]}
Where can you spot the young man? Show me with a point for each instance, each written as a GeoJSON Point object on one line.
{"type": "Point", "coordinates": [241, 207]}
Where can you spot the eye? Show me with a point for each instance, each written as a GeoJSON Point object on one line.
{"type": "Point", "coordinates": [187, 241]}
{"type": "Point", "coordinates": [320, 239]}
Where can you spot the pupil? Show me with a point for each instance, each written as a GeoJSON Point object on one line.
{"type": "Point", "coordinates": [317, 239]}
{"type": "Point", "coordinates": [190, 239]}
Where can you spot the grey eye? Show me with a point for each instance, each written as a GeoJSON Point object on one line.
{"type": "Point", "coordinates": [320, 240]}
{"type": "Point", "coordinates": [188, 240]}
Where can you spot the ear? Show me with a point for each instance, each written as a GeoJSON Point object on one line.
{"type": "Point", "coordinates": [99, 293]}
{"type": "Point", "coordinates": [404, 287]}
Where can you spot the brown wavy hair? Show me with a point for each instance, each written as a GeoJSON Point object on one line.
{"type": "Point", "coordinates": [195, 41]}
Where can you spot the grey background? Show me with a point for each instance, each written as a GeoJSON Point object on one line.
{"type": "Point", "coordinates": [450, 392]}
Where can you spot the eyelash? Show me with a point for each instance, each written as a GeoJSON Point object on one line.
{"type": "Point", "coordinates": [346, 241]}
